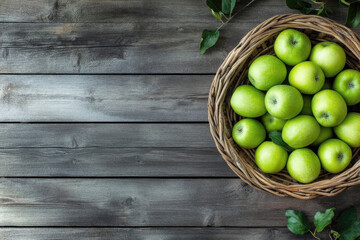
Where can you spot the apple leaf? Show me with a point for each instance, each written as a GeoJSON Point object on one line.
{"type": "Point", "coordinates": [301, 5]}
{"type": "Point", "coordinates": [348, 225]}
{"type": "Point", "coordinates": [322, 219]}
{"type": "Point", "coordinates": [228, 6]}
{"type": "Point", "coordinates": [208, 39]}
{"type": "Point", "coordinates": [217, 15]}
{"type": "Point", "coordinates": [352, 232]}
{"type": "Point", "coordinates": [214, 5]}
{"type": "Point", "coordinates": [346, 218]}
{"type": "Point", "coordinates": [297, 222]}
{"type": "Point", "coordinates": [276, 137]}
{"type": "Point", "coordinates": [353, 15]}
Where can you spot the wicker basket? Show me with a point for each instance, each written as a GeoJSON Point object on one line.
{"type": "Point", "coordinates": [233, 72]}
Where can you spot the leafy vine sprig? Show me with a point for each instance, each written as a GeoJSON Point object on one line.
{"type": "Point", "coordinates": [347, 225]}
{"type": "Point", "coordinates": [223, 11]}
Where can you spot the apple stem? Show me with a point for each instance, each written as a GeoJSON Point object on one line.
{"type": "Point", "coordinates": [313, 234]}
{"type": "Point", "coordinates": [319, 2]}
{"type": "Point", "coordinates": [231, 17]}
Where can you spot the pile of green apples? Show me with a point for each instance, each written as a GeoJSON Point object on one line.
{"type": "Point", "coordinates": [308, 107]}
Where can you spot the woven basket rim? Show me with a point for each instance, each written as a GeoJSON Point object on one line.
{"type": "Point", "coordinates": [226, 75]}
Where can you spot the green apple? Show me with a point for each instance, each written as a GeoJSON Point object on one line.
{"type": "Point", "coordinates": [335, 155]}
{"type": "Point", "coordinates": [248, 133]}
{"type": "Point", "coordinates": [329, 108]}
{"type": "Point", "coordinates": [272, 123]}
{"type": "Point", "coordinates": [307, 77]}
{"type": "Point", "coordinates": [283, 101]}
{"type": "Point", "coordinates": [303, 165]}
{"type": "Point", "coordinates": [325, 133]}
{"type": "Point", "coordinates": [327, 84]}
{"type": "Point", "coordinates": [301, 131]}
{"type": "Point", "coordinates": [247, 101]}
{"type": "Point", "coordinates": [349, 129]}
{"type": "Point", "coordinates": [306, 110]}
{"type": "Point", "coordinates": [267, 71]}
{"type": "Point", "coordinates": [292, 46]}
{"type": "Point", "coordinates": [329, 56]}
{"type": "Point", "coordinates": [347, 83]}
{"type": "Point", "coordinates": [270, 158]}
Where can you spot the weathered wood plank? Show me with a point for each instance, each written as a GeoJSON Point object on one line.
{"type": "Point", "coordinates": [131, 48]}
{"type": "Point", "coordinates": [106, 98]}
{"type": "Point", "coordinates": [165, 39]}
{"type": "Point", "coordinates": [115, 10]}
{"type": "Point", "coordinates": [113, 162]}
{"type": "Point", "coordinates": [131, 11]}
{"type": "Point", "coordinates": [102, 150]}
{"type": "Point", "coordinates": [57, 36]}
{"type": "Point", "coordinates": [105, 135]}
{"type": "Point", "coordinates": [150, 202]}
{"type": "Point", "coordinates": [146, 233]}
{"type": "Point", "coordinates": [172, 49]}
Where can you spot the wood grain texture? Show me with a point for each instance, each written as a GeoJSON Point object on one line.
{"type": "Point", "coordinates": [147, 233]}
{"type": "Point", "coordinates": [113, 162]}
{"type": "Point", "coordinates": [130, 11]}
{"type": "Point", "coordinates": [112, 11]}
{"type": "Point", "coordinates": [124, 36]}
{"type": "Point", "coordinates": [110, 48]}
{"type": "Point", "coordinates": [102, 150]}
{"type": "Point", "coordinates": [105, 98]}
{"type": "Point", "coordinates": [149, 202]}
{"type": "Point", "coordinates": [159, 169]}
{"type": "Point", "coordinates": [105, 135]}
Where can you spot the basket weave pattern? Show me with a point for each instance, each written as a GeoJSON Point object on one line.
{"type": "Point", "coordinates": [233, 72]}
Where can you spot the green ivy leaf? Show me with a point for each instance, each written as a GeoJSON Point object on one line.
{"type": "Point", "coordinates": [346, 218]}
{"type": "Point", "coordinates": [352, 233]}
{"type": "Point", "coordinates": [208, 39]}
{"type": "Point", "coordinates": [301, 5]}
{"type": "Point", "coordinates": [214, 5]}
{"type": "Point", "coordinates": [348, 225]}
{"type": "Point", "coordinates": [228, 6]}
{"type": "Point", "coordinates": [217, 15]}
{"type": "Point", "coordinates": [276, 137]}
{"type": "Point", "coordinates": [353, 15]}
{"type": "Point", "coordinates": [322, 219]}
{"type": "Point", "coordinates": [297, 222]}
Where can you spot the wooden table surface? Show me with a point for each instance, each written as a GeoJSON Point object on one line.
{"type": "Point", "coordinates": [104, 130]}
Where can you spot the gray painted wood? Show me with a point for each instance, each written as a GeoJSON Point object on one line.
{"type": "Point", "coordinates": [105, 135]}
{"type": "Point", "coordinates": [133, 37]}
{"type": "Point", "coordinates": [150, 202]}
{"type": "Point", "coordinates": [119, 36]}
{"type": "Point", "coordinates": [131, 48]}
{"type": "Point", "coordinates": [111, 11]}
{"type": "Point", "coordinates": [147, 233]}
{"type": "Point", "coordinates": [116, 150]}
{"type": "Point", "coordinates": [113, 162]}
{"type": "Point", "coordinates": [105, 98]}
{"type": "Point", "coordinates": [131, 11]}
